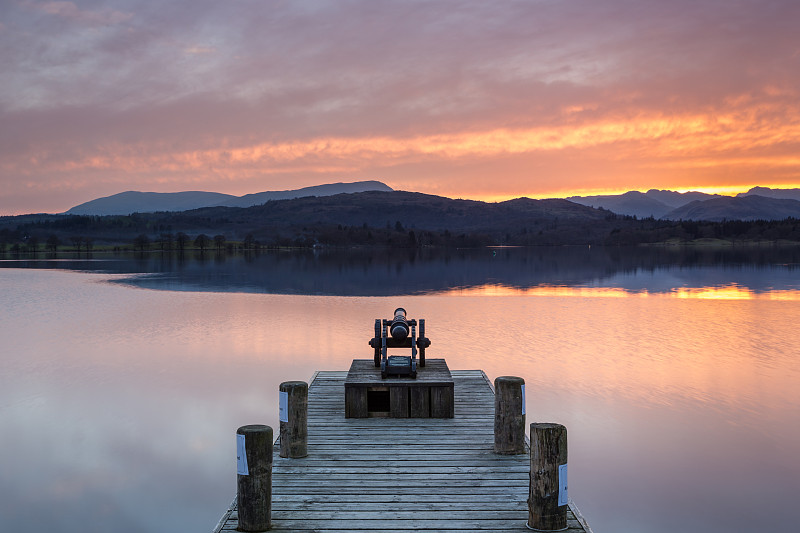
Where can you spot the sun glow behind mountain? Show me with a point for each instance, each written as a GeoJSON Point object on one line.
{"type": "Point", "coordinates": [532, 99]}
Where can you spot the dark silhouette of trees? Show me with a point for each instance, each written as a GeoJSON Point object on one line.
{"type": "Point", "coordinates": [33, 243]}
{"type": "Point", "coordinates": [53, 243]}
{"type": "Point", "coordinates": [365, 219]}
{"type": "Point", "coordinates": [219, 242]}
{"type": "Point", "coordinates": [202, 242]}
{"type": "Point", "coordinates": [181, 239]}
{"type": "Point", "coordinates": [76, 241]}
{"type": "Point", "coordinates": [165, 241]}
{"type": "Point", "coordinates": [142, 242]}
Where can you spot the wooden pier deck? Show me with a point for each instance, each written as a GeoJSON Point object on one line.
{"type": "Point", "coordinates": [408, 474]}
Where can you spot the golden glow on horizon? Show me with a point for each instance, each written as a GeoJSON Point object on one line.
{"type": "Point", "coordinates": [725, 292]}
{"type": "Point", "coordinates": [671, 137]}
{"type": "Point", "coordinates": [723, 190]}
{"type": "Point", "coordinates": [674, 136]}
{"type": "Point", "coordinates": [708, 152]}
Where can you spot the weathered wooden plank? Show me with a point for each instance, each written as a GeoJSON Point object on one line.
{"type": "Point", "coordinates": [399, 402]}
{"type": "Point", "coordinates": [401, 474]}
{"type": "Point", "coordinates": [386, 511]}
{"type": "Point", "coordinates": [411, 468]}
{"type": "Point", "coordinates": [359, 505]}
{"type": "Point", "coordinates": [406, 395]}
{"type": "Point", "coordinates": [415, 525]}
{"type": "Point", "coordinates": [388, 497]}
{"type": "Point", "coordinates": [355, 404]}
{"type": "Point", "coordinates": [382, 530]}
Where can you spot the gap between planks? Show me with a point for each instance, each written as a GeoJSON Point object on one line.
{"type": "Point", "coordinates": [481, 490]}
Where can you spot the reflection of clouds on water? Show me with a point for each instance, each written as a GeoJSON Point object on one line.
{"type": "Point", "coordinates": [670, 278]}
{"type": "Point", "coordinates": [118, 407]}
{"type": "Point", "coordinates": [429, 271]}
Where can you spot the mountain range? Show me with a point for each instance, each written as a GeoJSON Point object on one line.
{"type": "Point", "coordinates": [129, 202]}
{"type": "Point", "coordinates": [409, 219]}
{"type": "Point", "coordinates": [653, 203]}
{"type": "Point", "coordinates": [748, 207]}
{"type": "Point", "coordinates": [759, 203]}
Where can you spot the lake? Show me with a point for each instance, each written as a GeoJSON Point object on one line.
{"type": "Point", "coordinates": [123, 378]}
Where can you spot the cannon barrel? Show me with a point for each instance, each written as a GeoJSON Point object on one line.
{"type": "Point", "coordinates": [399, 327]}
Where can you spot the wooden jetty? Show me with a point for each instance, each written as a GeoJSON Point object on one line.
{"type": "Point", "coordinates": [400, 474]}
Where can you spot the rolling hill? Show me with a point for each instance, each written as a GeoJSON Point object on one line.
{"type": "Point", "coordinates": [654, 203]}
{"type": "Point", "coordinates": [129, 202]}
{"type": "Point", "coordinates": [411, 209]}
{"type": "Point", "coordinates": [749, 207]}
{"type": "Point", "coordinates": [787, 194]}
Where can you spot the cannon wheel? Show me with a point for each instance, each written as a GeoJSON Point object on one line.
{"type": "Point", "coordinates": [377, 355]}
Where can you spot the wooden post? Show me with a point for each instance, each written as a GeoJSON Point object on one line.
{"type": "Point", "coordinates": [254, 477]}
{"type": "Point", "coordinates": [294, 419]}
{"type": "Point", "coordinates": [548, 498]}
{"type": "Point", "coordinates": [509, 415]}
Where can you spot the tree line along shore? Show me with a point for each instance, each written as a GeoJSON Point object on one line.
{"type": "Point", "coordinates": [142, 233]}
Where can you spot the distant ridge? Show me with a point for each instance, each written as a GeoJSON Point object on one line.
{"type": "Point", "coordinates": [764, 204]}
{"type": "Point", "coordinates": [129, 202]}
{"type": "Point", "coordinates": [329, 189]}
{"type": "Point", "coordinates": [654, 203]}
{"type": "Point", "coordinates": [786, 194]}
{"type": "Point", "coordinates": [412, 220]}
{"type": "Point", "coordinates": [749, 207]}
{"type": "Point", "coordinates": [676, 199]}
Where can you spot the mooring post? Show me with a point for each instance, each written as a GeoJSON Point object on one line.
{"type": "Point", "coordinates": [254, 477]}
{"type": "Point", "coordinates": [509, 415]}
{"type": "Point", "coordinates": [293, 414]}
{"type": "Point", "coordinates": [548, 498]}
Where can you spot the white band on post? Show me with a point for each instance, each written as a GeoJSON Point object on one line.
{"type": "Point", "coordinates": [241, 456]}
{"type": "Point", "coordinates": [283, 406]}
{"type": "Point", "coordinates": [563, 496]}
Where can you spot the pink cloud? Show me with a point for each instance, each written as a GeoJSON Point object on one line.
{"type": "Point", "coordinates": [70, 11]}
{"type": "Point", "coordinates": [465, 98]}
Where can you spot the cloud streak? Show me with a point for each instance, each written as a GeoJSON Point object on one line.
{"type": "Point", "coordinates": [460, 98]}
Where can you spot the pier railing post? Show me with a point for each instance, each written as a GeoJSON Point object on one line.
{"type": "Point", "coordinates": [293, 413]}
{"type": "Point", "coordinates": [509, 415]}
{"type": "Point", "coordinates": [548, 498]}
{"type": "Point", "coordinates": [254, 477]}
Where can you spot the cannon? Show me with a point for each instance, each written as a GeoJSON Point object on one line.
{"type": "Point", "coordinates": [399, 332]}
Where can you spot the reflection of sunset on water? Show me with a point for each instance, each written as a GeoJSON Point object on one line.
{"type": "Point", "coordinates": [725, 292]}
{"type": "Point", "coordinates": [651, 385]}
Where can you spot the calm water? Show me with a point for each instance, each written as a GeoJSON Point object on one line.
{"type": "Point", "coordinates": [676, 374]}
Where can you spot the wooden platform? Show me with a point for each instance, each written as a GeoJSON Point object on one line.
{"type": "Point", "coordinates": [429, 395]}
{"type": "Point", "coordinates": [401, 474]}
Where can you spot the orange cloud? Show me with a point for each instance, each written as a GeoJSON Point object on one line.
{"type": "Point", "coordinates": [723, 151]}
{"type": "Point", "coordinates": [683, 141]}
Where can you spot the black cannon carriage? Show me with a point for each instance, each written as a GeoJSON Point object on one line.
{"type": "Point", "coordinates": [399, 332]}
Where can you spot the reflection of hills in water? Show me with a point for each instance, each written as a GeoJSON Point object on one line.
{"type": "Point", "coordinates": [397, 272]}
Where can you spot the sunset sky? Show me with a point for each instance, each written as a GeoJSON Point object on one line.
{"type": "Point", "coordinates": [482, 100]}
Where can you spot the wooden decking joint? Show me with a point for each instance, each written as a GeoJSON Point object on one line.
{"type": "Point", "coordinates": [390, 474]}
